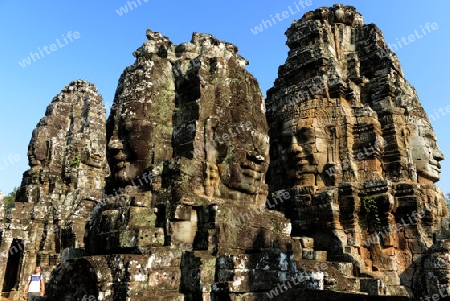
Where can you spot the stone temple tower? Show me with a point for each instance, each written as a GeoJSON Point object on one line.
{"type": "Point", "coordinates": [352, 144]}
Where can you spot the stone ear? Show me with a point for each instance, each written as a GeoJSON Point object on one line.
{"type": "Point", "coordinates": [210, 144]}
{"type": "Point", "coordinates": [212, 176]}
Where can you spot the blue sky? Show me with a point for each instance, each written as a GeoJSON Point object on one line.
{"type": "Point", "coordinates": [106, 41]}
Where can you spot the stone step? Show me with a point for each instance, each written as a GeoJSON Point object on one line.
{"type": "Point", "coordinates": [158, 295]}
{"type": "Point", "coordinates": [315, 255]}
{"type": "Point", "coordinates": [346, 268]}
{"type": "Point", "coordinates": [397, 290]}
{"type": "Point", "coordinates": [373, 286]}
{"type": "Point", "coordinates": [352, 284]}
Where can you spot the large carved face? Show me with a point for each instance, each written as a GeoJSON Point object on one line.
{"type": "Point", "coordinates": [130, 157]}
{"type": "Point", "coordinates": [425, 152]}
{"type": "Point", "coordinates": [304, 153]}
{"type": "Point", "coordinates": [137, 142]}
{"type": "Point", "coordinates": [237, 159]}
{"type": "Point", "coordinates": [139, 128]}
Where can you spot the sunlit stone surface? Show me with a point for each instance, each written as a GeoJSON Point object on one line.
{"type": "Point", "coordinates": [196, 188]}
{"type": "Point", "coordinates": [355, 149]}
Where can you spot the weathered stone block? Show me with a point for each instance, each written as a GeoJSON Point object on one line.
{"type": "Point", "coordinates": [315, 255]}
{"type": "Point", "coordinates": [183, 212]}
{"type": "Point", "coordinates": [141, 217]}
{"type": "Point", "coordinates": [183, 231]}
{"type": "Point", "coordinates": [71, 253]}
{"type": "Point", "coordinates": [416, 246]}
{"type": "Point", "coordinates": [397, 290]}
{"type": "Point", "coordinates": [346, 268]}
{"type": "Point", "coordinates": [373, 286]}
{"type": "Point", "coordinates": [150, 237]}
{"type": "Point", "coordinates": [389, 252]}
{"type": "Point", "coordinates": [392, 278]}
{"type": "Point", "coordinates": [307, 243]}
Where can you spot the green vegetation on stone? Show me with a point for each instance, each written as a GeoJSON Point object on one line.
{"type": "Point", "coordinates": [370, 205]}
{"type": "Point", "coordinates": [10, 199]}
{"type": "Point", "coordinates": [76, 160]}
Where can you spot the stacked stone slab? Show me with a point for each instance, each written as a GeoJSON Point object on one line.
{"type": "Point", "coordinates": [352, 145]}
{"type": "Point", "coordinates": [67, 158]}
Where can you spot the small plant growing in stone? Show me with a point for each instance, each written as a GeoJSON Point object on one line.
{"type": "Point", "coordinates": [76, 160]}
{"type": "Point", "coordinates": [36, 174]}
{"type": "Point", "coordinates": [370, 205]}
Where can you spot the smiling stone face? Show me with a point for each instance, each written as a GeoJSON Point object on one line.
{"type": "Point", "coordinates": [129, 158]}
{"type": "Point", "coordinates": [139, 127]}
{"type": "Point", "coordinates": [425, 152]}
{"type": "Point", "coordinates": [308, 144]}
{"type": "Point", "coordinates": [236, 144]}
{"type": "Point", "coordinates": [300, 158]}
{"type": "Point", "coordinates": [237, 164]}
{"type": "Point", "coordinates": [197, 114]}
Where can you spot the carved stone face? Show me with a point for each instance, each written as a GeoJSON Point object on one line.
{"type": "Point", "coordinates": [426, 154]}
{"type": "Point", "coordinates": [238, 158]}
{"type": "Point", "coordinates": [339, 13]}
{"type": "Point", "coordinates": [139, 129]}
{"type": "Point", "coordinates": [304, 150]}
{"type": "Point", "coordinates": [322, 13]}
{"type": "Point", "coordinates": [247, 163]}
{"type": "Point", "coordinates": [130, 157]}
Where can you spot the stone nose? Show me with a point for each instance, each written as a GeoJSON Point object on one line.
{"type": "Point", "coordinates": [438, 155]}
{"type": "Point", "coordinates": [295, 147]}
{"type": "Point", "coordinates": [115, 144]}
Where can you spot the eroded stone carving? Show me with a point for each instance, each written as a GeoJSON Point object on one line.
{"type": "Point", "coordinates": [198, 125]}
{"type": "Point", "coordinates": [67, 158]}
{"type": "Point", "coordinates": [353, 133]}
